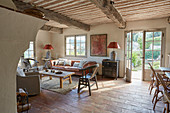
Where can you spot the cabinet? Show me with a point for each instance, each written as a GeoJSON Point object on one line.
{"type": "Point", "coordinates": [110, 68]}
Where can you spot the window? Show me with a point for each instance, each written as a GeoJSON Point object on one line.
{"type": "Point", "coordinates": [29, 53]}
{"type": "Point", "coordinates": [75, 45]}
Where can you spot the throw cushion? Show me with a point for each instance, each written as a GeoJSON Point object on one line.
{"type": "Point", "coordinates": [82, 62]}
{"type": "Point", "coordinates": [76, 64]}
{"type": "Point", "coordinates": [61, 63]}
{"type": "Point", "coordinates": [20, 72]}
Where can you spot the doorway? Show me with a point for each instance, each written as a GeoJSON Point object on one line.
{"type": "Point", "coordinates": [137, 54]}
{"type": "Point", "coordinates": [141, 48]}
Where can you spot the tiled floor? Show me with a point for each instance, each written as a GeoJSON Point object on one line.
{"type": "Point", "coordinates": [113, 96]}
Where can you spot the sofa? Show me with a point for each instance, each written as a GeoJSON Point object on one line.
{"type": "Point", "coordinates": [29, 81]}
{"type": "Point", "coordinates": [71, 65]}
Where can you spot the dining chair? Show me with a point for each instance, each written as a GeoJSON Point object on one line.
{"type": "Point", "coordinates": [89, 74]}
{"type": "Point", "coordinates": [166, 94]}
{"type": "Point", "coordinates": [158, 88]}
{"type": "Point", "coordinates": [151, 86]}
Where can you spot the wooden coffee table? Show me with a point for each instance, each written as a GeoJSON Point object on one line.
{"type": "Point", "coordinates": [63, 77]}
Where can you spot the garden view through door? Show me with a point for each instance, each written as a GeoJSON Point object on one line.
{"type": "Point", "coordinates": [143, 48]}
{"type": "Point", "coordinates": [137, 55]}
{"type": "Point", "coordinates": [153, 50]}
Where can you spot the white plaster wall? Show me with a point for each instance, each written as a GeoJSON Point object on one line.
{"type": "Point", "coordinates": [113, 34]}
{"type": "Point", "coordinates": [8, 3]}
{"type": "Point", "coordinates": [42, 38]}
{"type": "Point", "coordinates": [16, 31]}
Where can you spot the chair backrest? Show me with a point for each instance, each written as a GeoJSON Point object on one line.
{"type": "Point", "coordinates": [95, 70]}
{"type": "Point", "coordinates": [154, 74]}
{"type": "Point", "coordinates": [161, 81]}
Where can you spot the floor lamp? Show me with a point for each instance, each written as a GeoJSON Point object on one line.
{"type": "Point", "coordinates": [113, 54]}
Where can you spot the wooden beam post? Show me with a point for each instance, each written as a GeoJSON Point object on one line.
{"type": "Point", "coordinates": [53, 15]}
{"type": "Point", "coordinates": [54, 29]}
{"type": "Point", "coordinates": [110, 11]}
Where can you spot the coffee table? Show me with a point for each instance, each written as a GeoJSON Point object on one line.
{"type": "Point", "coordinates": [63, 77]}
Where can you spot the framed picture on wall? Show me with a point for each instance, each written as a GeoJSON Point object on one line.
{"type": "Point", "coordinates": [98, 45]}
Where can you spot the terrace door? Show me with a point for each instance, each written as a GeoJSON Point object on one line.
{"type": "Point", "coordinates": [128, 55]}
{"type": "Point", "coordinates": [153, 52]}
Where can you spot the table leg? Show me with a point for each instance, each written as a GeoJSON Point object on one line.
{"type": "Point", "coordinates": [70, 80]}
{"type": "Point", "coordinates": [41, 76]}
{"type": "Point", "coordinates": [61, 82]}
{"type": "Point", "coordinates": [50, 77]}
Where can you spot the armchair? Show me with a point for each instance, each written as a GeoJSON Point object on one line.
{"type": "Point", "coordinates": [30, 81]}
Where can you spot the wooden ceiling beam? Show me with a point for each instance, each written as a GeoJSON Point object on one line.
{"type": "Point", "coordinates": [110, 11]}
{"type": "Point", "coordinates": [53, 15]}
{"type": "Point", "coordinates": [51, 28]}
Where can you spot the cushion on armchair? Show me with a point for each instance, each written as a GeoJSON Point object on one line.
{"type": "Point", "coordinates": [20, 72]}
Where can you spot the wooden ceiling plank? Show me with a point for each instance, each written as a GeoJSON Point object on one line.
{"type": "Point", "coordinates": [42, 2]}
{"type": "Point", "coordinates": [144, 8]}
{"type": "Point", "coordinates": [128, 2]}
{"type": "Point", "coordinates": [88, 14]}
{"type": "Point", "coordinates": [146, 11]}
{"type": "Point", "coordinates": [148, 3]}
{"type": "Point", "coordinates": [69, 5]}
{"type": "Point", "coordinates": [50, 3]}
{"type": "Point", "coordinates": [78, 9]}
{"type": "Point", "coordinates": [63, 5]}
{"type": "Point", "coordinates": [146, 18]}
{"type": "Point", "coordinates": [82, 12]}
{"type": "Point", "coordinates": [53, 15]}
{"type": "Point", "coordinates": [110, 11]}
{"type": "Point", "coordinates": [73, 7]}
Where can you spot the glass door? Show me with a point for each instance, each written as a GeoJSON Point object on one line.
{"type": "Point", "coordinates": [153, 50]}
{"type": "Point", "coordinates": [128, 55]}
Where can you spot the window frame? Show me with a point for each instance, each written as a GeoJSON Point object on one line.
{"type": "Point", "coordinates": [30, 50]}
{"type": "Point", "coordinates": [75, 55]}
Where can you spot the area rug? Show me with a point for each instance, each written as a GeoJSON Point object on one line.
{"type": "Point", "coordinates": [54, 85]}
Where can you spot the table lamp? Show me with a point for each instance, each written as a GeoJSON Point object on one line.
{"type": "Point", "coordinates": [49, 47]}
{"type": "Point", "coordinates": [113, 54]}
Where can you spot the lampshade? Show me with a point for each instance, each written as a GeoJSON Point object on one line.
{"type": "Point", "coordinates": [48, 46]}
{"type": "Point", "coordinates": [113, 45]}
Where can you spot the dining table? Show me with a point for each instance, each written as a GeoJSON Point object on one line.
{"type": "Point", "coordinates": [167, 74]}
{"type": "Point", "coordinates": [164, 69]}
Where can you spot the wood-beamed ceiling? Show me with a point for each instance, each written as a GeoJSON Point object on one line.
{"type": "Point", "coordinates": [85, 11]}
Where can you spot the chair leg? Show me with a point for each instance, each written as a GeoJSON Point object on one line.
{"type": "Point", "coordinates": [78, 91]}
{"type": "Point", "coordinates": [96, 82]}
{"type": "Point", "coordinates": [164, 109]}
{"type": "Point", "coordinates": [154, 95]}
{"type": "Point", "coordinates": [151, 90]}
{"type": "Point", "coordinates": [156, 100]}
{"type": "Point", "coordinates": [167, 108]}
{"type": "Point", "coordinates": [89, 88]}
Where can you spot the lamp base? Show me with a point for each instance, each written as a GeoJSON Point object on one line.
{"type": "Point", "coordinates": [48, 55]}
{"type": "Point", "coordinates": [113, 55]}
